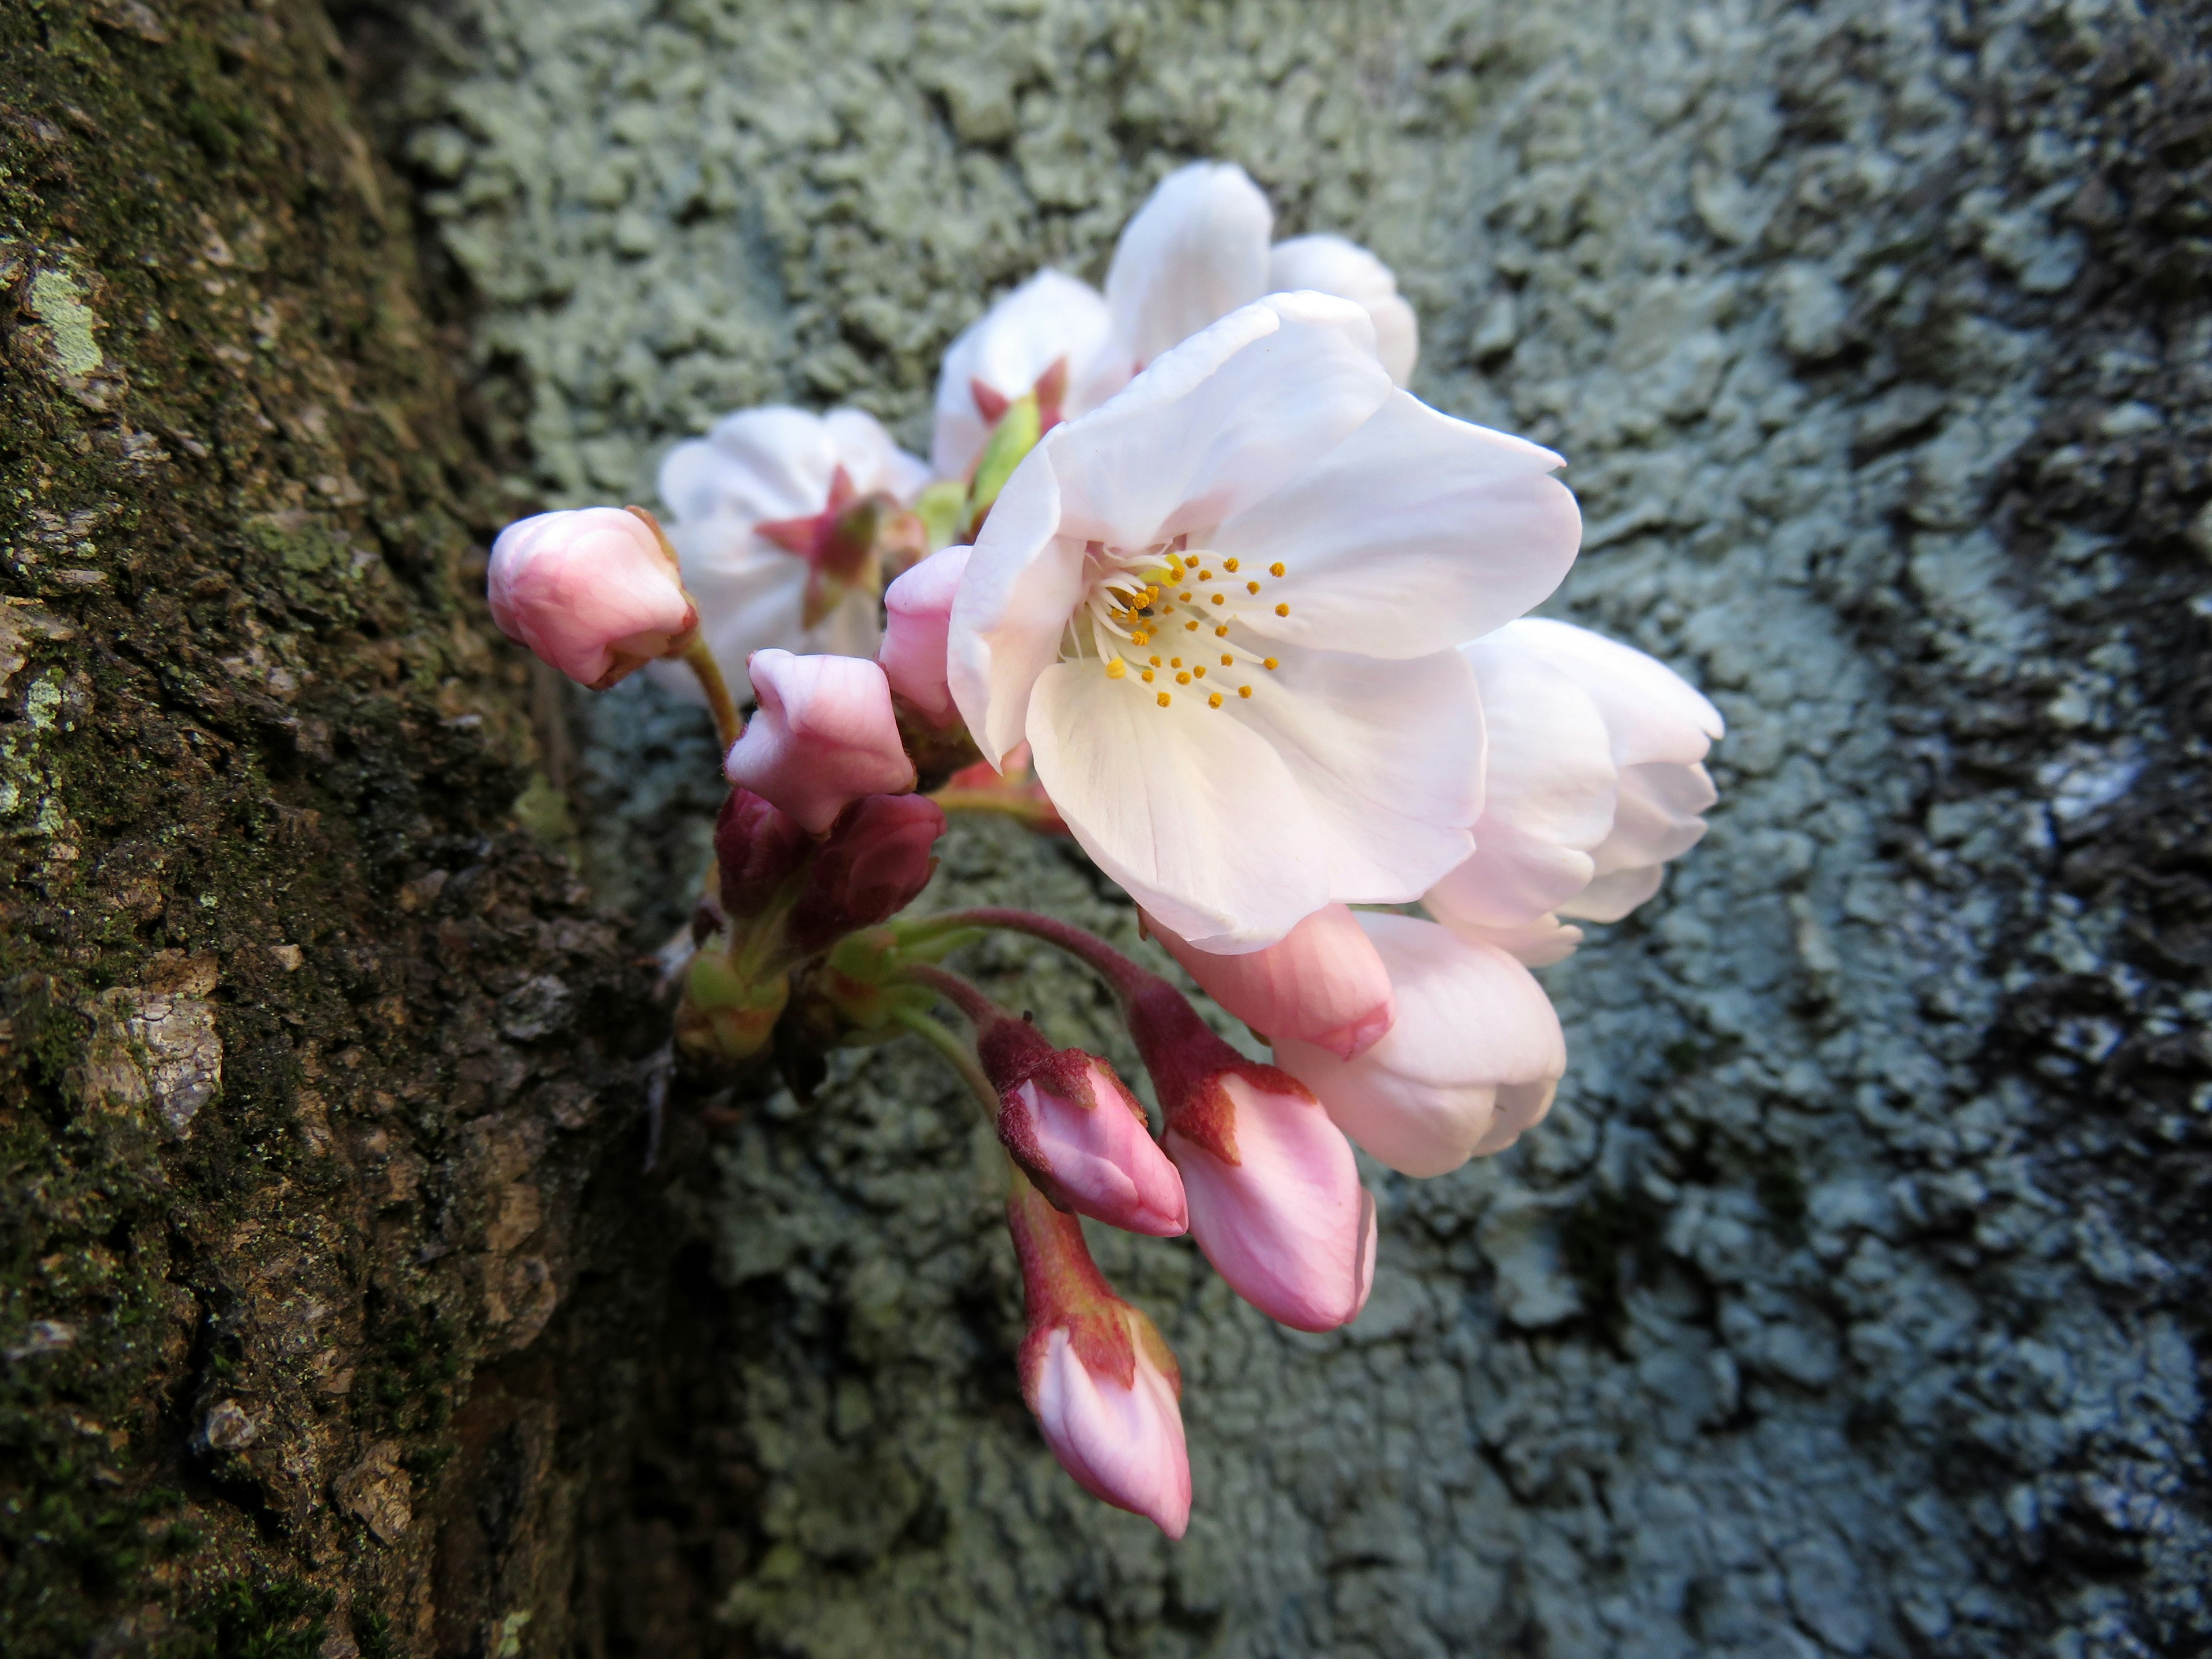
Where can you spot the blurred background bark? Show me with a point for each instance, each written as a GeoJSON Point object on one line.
{"type": "Point", "coordinates": [1851, 1302]}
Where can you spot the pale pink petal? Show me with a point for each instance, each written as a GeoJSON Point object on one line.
{"type": "Point", "coordinates": [1047, 319]}
{"type": "Point", "coordinates": [590, 591]}
{"type": "Point", "coordinates": [1333, 265]}
{"type": "Point", "coordinates": [918, 609]}
{"type": "Point", "coordinates": [1610, 897]}
{"type": "Point", "coordinates": [1387, 753]}
{"type": "Point", "coordinates": [824, 736]}
{"type": "Point", "coordinates": [1475, 1043]}
{"type": "Point", "coordinates": [1195, 815]}
{"type": "Point", "coordinates": [1653, 713]}
{"type": "Point", "coordinates": [1022, 581]}
{"type": "Point", "coordinates": [1658, 817]}
{"type": "Point", "coordinates": [1535, 943]}
{"type": "Point", "coordinates": [1414, 534]}
{"type": "Point", "coordinates": [1512, 879]}
{"type": "Point", "coordinates": [1288, 1225]}
{"type": "Point", "coordinates": [1102, 1158]}
{"type": "Point", "coordinates": [1193, 253]}
{"type": "Point", "coordinates": [1123, 1445]}
{"type": "Point", "coordinates": [1323, 982]}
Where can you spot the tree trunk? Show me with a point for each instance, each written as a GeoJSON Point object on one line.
{"type": "Point", "coordinates": [1852, 1300]}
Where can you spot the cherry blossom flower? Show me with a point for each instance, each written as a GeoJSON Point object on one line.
{"type": "Point", "coordinates": [823, 736]}
{"type": "Point", "coordinates": [1223, 610]}
{"type": "Point", "coordinates": [1101, 1384]}
{"type": "Point", "coordinates": [591, 591]}
{"type": "Point", "coordinates": [1471, 1060]}
{"type": "Point", "coordinates": [1322, 984]}
{"type": "Point", "coordinates": [1595, 779]}
{"type": "Point", "coordinates": [1195, 250]}
{"type": "Point", "coordinates": [777, 515]}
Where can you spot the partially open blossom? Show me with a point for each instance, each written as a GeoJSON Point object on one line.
{"type": "Point", "coordinates": [919, 611]}
{"type": "Point", "coordinates": [1322, 984]}
{"type": "Point", "coordinates": [1224, 611]}
{"type": "Point", "coordinates": [1594, 781]}
{"type": "Point", "coordinates": [1195, 251]}
{"type": "Point", "coordinates": [1096, 1373]}
{"type": "Point", "coordinates": [1077, 1132]}
{"type": "Point", "coordinates": [876, 857]}
{"type": "Point", "coordinates": [1471, 1061]}
{"type": "Point", "coordinates": [1274, 1194]}
{"type": "Point", "coordinates": [591, 591]}
{"type": "Point", "coordinates": [1034, 340]}
{"type": "Point", "coordinates": [757, 847]}
{"type": "Point", "coordinates": [1330, 265]}
{"type": "Point", "coordinates": [778, 515]}
{"type": "Point", "coordinates": [823, 736]}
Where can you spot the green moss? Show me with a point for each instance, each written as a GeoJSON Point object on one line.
{"type": "Point", "coordinates": [284, 1620]}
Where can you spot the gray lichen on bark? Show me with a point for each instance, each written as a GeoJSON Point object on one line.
{"type": "Point", "coordinates": [1851, 1299]}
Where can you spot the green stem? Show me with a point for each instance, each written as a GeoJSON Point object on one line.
{"type": "Point", "coordinates": [729, 725]}
{"type": "Point", "coordinates": [956, 1054]}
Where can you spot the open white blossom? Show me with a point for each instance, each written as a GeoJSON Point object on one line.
{"type": "Point", "coordinates": [1195, 250]}
{"type": "Point", "coordinates": [1595, 779]}
{"type": "Point", "coordinates": [772, 513]}
{"type": "Point", "coordinates": [1224, 611]}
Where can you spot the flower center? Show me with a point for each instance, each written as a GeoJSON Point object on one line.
{"type": "Point", "coordinates": [1162, 614]}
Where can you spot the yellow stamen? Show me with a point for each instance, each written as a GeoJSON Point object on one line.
{"type": "Point", "coordinates": [1174, 662]}
{"type": "Point", "coordinates": [1214, 701]}
{"type": "Point", "coordinates": [1251, 588]}
{"type": "Point", "coordinates": [1222, 632]}
{"type": "Point", "coordinates": [1115, 669]}
{"type": "Point", "coordinates": [1140, 639]}
{"type": "Point", "coordinates": [1200, 672]}
{"type": "Point", "coordinates": [1282, 610]}
{"type": "Point", "coordinates": [1205, 575]}
{"type": "Point", "coordinates": [1164, 699]}
{"type": "Point", "coordinates": [1218, 599]}
{"type": "Point", "coordinates": [1267, 662]}
{"type": "Point", "coordinates": [1147, 675]}
{"type": "Point", "coordinates": [1190, 627]}
{"type": "Point", "coordinates": [1276, 569]}
{"type": "Point", "coordinates": [1155, 661]}
{"type": "Point", "coordinates": [1182, 678]}
{"type": "Point", "coordinates": [1230, 565]}
{"type": "Point", "coordinates": [1226, 659]}
{"type": "Point", "coordinates": [1243, 691]}
{"type": "Point", "coordinates": [1185, 598]}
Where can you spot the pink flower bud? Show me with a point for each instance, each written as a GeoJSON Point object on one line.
{"type": "Point", "coordinates": [1078, 1132]}
{"type": "Point", "coordinates": [591, 591]}
{"type": "Point", "coordinates": [1321, 983]}
{"type": "Point", "coordinates": [1472, 1061]}
{"type": "Point", "coordinates": [824, 736]}
{"type": "Point", "coordinates": [1274, 1193]}
{"type": "Point", "coordinates": [1101, 1384]}
{"type": "Point", "coordinates": [919, 609]}
{"type": "Point", "coordinates": [876, 857]}
{"type": "Point", "coordinates": [757, 845]}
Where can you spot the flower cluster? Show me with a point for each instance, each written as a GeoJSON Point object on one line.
{"type": "Point", "coordinates": [1190, 577]}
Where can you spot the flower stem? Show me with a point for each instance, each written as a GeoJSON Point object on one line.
{"type": "Point", "coordinates": [1125, 976]}
{"type": "Point", "coordinates": [971, 1002]}
{"type": "Point", "coordinates": [729, 725]}
{"type": "Point", "coordinates": [956, 1054]}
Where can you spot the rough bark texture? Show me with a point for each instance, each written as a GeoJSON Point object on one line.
{"type": "Point", "coordinates": [1851, 1301]}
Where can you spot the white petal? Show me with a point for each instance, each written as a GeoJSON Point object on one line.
{"type": "Point", "coordinates": [1653, 714]}
{"type": "Point", "coordinates": [1612, 896]}
{"type": "Point", "coordinates": [858, 443]}
{"type": "Point", "coordinates": [1511, 880]}
{"type": "Point", "coordinates": [1550, 770]}
{"type": "Point", "coordinates": [1333, 265]}
{"type": "Point", "coordinates": [1049, 316]}
{"type": "Point", "coordinates": [1388, 755]}
{"type": "Point", "coordinates": [1658, 817]}
{"type": "Point", "coordinates": [1232, 415]}
{"type": "Point", "coordinates": [1535, 943]}
{"type": "Point", "coordinates": [1023, 582]}
{"type": "Point", "coordinates": [1415, 534]}
{"type": "Point", "coordinates": [1193, 253]}
{"type": "Point", "coordinates": [1194, 814]}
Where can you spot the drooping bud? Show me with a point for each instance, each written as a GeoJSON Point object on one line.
{"type": "Point", "coordinates": [824, 736]}
{"type": "Point", "coordinates": [592, 591]}
{"type": "Point", "coordinates": [1077, 1132]}
{"type": "Point", "coordinates": [1322, 984]}
{"type": "Point", "coordinates": [1274, 1193]}
{"type": "Point", "coordinates": [1472, 1061]}
{"type": "Point", "coordinates": [757, 845]}
{"type": "Point", "coordinates": [917, 607]}
{"type": "Point", "coordinates": [876, 857]}
{"type": "Point", "coordinates": [1095, 1372]}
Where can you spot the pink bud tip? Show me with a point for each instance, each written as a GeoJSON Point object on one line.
{"type": "Point", "coordinates": [591, 591]}
{"type": "Point", "coordinates": [824, 736]}
{"type": "Point", "coordinates": [1077, 1132]}
{"type": "Point", "coordinates": [918, 610]}
{"type": "Point", "coordinates": [1323, 982]}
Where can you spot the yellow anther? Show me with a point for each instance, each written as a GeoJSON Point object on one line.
{"type": "Point", "coordinates": [1140, 639]}
{"type": "Point", "coordinates": [1282, 610]}
{"type": "Point", "coordinates": [1230, 565]}
{"type": "Point", "coordinates": [1147, 675]}
{"type": "Point", "coordinates": [1222, 632]}
{"type": "Point", "coordinates": [1219, 600]}
{"type": "Point", "coordinates": [1164, 699]}
{"type": "Point", "coordinates": [1243, 691]}
{"type": "Point", "coordinates": [1226, 659]}
{"type": "Point", "coordinates": [1251, 588]}
{"type": "Point", "coordinates": [1174, 662]}
{"type": "Point", "coordinates": [1276, 569]}
{"type": "Point", "coordinates": [1155, 661]}
{"type": "Point", "coordinates": [1268, 662]}
{"type": "Point", "coordinates": [1205, 575]}
{"type": "Point", "coordinates": [1183, 679]}
{"type": "Point", "coordinates": [1185, 598]}
{"type": "Point", "coordinates": [1213, 701]}
{"type": "Point", "coordinates": [1199, 671]}
{"type": "Point", "coordinates": [1190, 627]}
{"type": "Point", "coordinates": [1115, 669]}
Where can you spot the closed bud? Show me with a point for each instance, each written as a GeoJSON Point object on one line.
{"type": "Point", "coordinates": [918, 610]}
{"type": "Point", "coordinates": [1322, 984]}
{"type": "Point", "coordinates": [1079, 1133]}
{"type": "Point", "coordinates": [1101, 1384]}
{"type": "Point", "coordinates": [593, 593]}
{"type": "Point", "coordinates": [874, 860]}
{"type": "Point", "coordinates": [824, 735]}
{"type": "Point", "coordinates": [757, 847]}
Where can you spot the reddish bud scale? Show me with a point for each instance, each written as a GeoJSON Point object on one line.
{"type": "Point", "coordinates": [757, 847]}
{"type": "Point", "coordinates": [1187, 1061]}
{"type": "Point", "coordinates": [1063, 1289]}
{"type": "Point", "coordinates": [874, 860]}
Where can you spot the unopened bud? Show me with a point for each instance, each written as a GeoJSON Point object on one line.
{"type": "Point", "coordinates": [593, 593]}
{"type": "Point", "coordinates": [876, 857]}
{"type": "Point", "coordinates": [757, 847]}
{"type": "Point", "coordinates": [725, 1016]}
